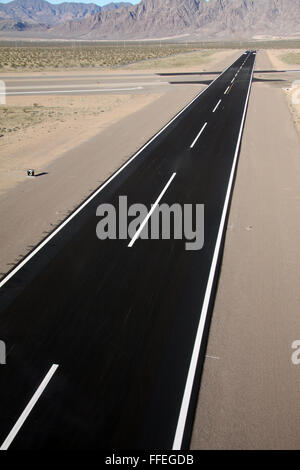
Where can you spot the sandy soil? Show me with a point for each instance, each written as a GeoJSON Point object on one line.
{"type": "Point", "coordinates": [277, 56]}
{"type": "Point", "coordinates": [183, 62]}
{"type": "Point", "coordinates": [249, 396]}
{"type": "Point", "coordinates": [36, 130]}
{"type": "Point", "coordinates": [293, 96]}
{"type": "Point", "coordinates": [293, 92]}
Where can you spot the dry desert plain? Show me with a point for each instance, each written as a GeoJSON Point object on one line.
{"type": "Point", "coordinates": [249, 392]}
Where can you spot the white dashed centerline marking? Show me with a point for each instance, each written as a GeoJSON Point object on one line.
{"type": "Point", "coordinates": [136, 236]}
{"type": "Point", "coordinates": [28, 408]}
{"type": "Point", "coordinates": [217, 105]}
{"type": "Point", "coordinates": [193, 144]}
{"type": "Point", "coordinates": [225, 92]}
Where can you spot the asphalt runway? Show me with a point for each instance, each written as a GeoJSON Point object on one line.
{"type": "Point", "coordinates": [106, 339]}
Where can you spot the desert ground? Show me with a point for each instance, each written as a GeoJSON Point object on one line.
{"type": "Point", "coordinates": [39, 129]}
{"type": "Point", "coordinates": [79, 56]}
{"type": "Point", "coordinates": [249, 392]}
{"type": "Point", "coordinates": [289, 59]}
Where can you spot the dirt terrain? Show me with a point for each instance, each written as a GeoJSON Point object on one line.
{"type": "Point", "coordinates": [80, 56]}
{"type": "Point", "coordinates": [284, 59]}
{"type": "Point", "coordinates": [37, 130]}
{"type": "Point", "coordinates": [289, 59]}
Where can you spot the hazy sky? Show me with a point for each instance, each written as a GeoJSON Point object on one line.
{"type": "Point", "coordinates": [98, 2]}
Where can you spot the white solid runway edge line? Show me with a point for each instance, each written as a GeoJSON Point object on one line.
{"type": "Point", "coordinates": [177, 443]}
{"type": "Point", "coordinates": [28, 408]}
{"type": "Point", "coordinates": [97, 191]}
{"type": "Point", "coordinates": [136, 236]}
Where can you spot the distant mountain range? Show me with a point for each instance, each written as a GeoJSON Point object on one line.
{"type": "Point", "coordinates": [197, 19]}
{"type": "Point", "coordinates": [23, 15]}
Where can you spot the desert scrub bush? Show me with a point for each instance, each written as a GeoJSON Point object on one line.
{"type": "Point", "coordinates": [35, 57]}
{"type": "Point", "coordinates": [291, 58]}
